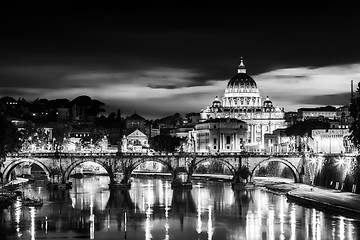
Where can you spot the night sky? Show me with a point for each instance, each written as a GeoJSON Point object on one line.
{"type": "Point", "coordinates": [157, 60]}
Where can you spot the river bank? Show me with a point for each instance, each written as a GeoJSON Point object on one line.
{"type": "Point", "coordinates": [325, 199]}
{"type": "Point", "coordinates": [8, 194]}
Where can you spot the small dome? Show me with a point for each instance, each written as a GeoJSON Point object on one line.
{"type": "Point", "coordinates": [216, 103]}
{"type": "Point", "coordinates": [268, 102]}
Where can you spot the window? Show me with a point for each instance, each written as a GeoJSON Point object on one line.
{"type": "Point", "coordinates": [214, 147]}
{"type": "Point", "coordinates": [227, 139]}
{"type": "Point", "coordinates": [214, 140]}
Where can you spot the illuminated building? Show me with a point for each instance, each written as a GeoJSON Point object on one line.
{"type": "Point", "coordinates": [135, 142]}
{"type": "Point", "coordinates": [327, 112]}
{"type": "Point", "coordinates": [331, 141]}
{"type": "Point", "coordinates": [242, 101]}
{"type": "Point", "coordinates": [220, 135]}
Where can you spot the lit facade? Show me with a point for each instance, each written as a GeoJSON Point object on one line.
{"type": "Point", "coordinates": [242, 101]}
{"type": "Point", "coordinates": [331, 141]}
{"type": "Point", "coordinates": [135, 142]}
{"type": "Point", "coordinates": [328, 112]}
{"type": "Point", "coordinates": [220, 135]}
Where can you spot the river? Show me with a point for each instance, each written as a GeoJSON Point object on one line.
{"type": "Point", "coordinates": [152, 210]}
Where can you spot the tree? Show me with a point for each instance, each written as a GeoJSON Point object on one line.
{"type": "Point", "coordinates": [60, 133]}
{"type": "Point", "coordinates": [165, 143]}
{"type": "Point", "coordinates": [303, 128]}
{"type": "Point", "coordinates": [95, 138]}
{"type": "Point", "coordinates": [355, 114]}
{"type": "Point", "coordinates": [9, 139]}
{"type": "Point", "coordinates": [30, 134]}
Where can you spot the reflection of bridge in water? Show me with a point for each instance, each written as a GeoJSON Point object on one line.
{"type": "Point", "coordinates": [119, 166]}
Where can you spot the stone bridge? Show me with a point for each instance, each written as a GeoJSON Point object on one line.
{"type": "Point", "coordinates": [119, 166]}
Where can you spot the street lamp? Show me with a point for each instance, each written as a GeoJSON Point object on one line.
{"type": "Point", "coordinates": [91, 145]}
{"type": "Point", "coordinates": [312, 170]}
{"type": "Point", "coordinates": [193, 140]}
{"type": "Point", "coordinates": [54, 139]}
{"type": "Point", "coordinates": [64, 142]}
{"type": "Point", "coordinates": [30, 139]}
{"type": "Point", "coordinates": [343, 162]}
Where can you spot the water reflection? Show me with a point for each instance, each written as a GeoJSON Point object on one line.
{"type": "Point", "coordinates": [152, 210]}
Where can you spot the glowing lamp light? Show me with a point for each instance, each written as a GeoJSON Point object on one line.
{"type": "Point", "coordinates": [313, 160]}
{"type": "Point", "coordinates": [341, 161]}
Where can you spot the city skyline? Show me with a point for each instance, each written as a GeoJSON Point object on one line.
{"type": "Point", "coordinates": [158, 62]}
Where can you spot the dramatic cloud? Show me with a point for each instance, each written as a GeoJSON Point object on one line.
{"type": "Point", "coordinates": [293, 88]}
{"type": "Point", "coordinates": [330, 99]}
{"type": "Point", "coordinates": [163, 90]}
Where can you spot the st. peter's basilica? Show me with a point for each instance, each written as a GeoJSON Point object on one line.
{"type": "Point", "coordinates": [242, 101]}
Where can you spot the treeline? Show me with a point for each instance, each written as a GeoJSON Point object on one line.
{"type": "Point", "coordinates": [302, 128]}
{"type": "Point", "coordinates": [44, 110]}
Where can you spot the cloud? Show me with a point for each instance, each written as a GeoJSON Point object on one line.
{"type": "Point", "coordinates": [136, 85]}
{"type": "Point", "coordinates": [315, 86]}
{"type": "Point", "coordinates": [328, 99]}
{"type": "Point", "coordinates": [166, 90]}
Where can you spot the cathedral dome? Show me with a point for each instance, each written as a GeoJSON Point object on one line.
{"type": "Point", "coordinates": [241, 82]}
{"type": "Point", "coordinates": [242, 91]}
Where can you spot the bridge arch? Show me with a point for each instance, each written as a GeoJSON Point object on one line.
{"type": "Point", "coordinates": [10, 167]}
{"type": "Point", "coordinates": [281, 160]}
{"type": "Point", "coordinates": [230, 166]}
{"type": "Point", "coordinates": [74, 164]}
{"type": "Point", "coordinates": [144, 160]}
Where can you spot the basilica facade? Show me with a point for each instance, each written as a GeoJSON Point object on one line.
{"type": "Point", "coordinates": [242, 101]}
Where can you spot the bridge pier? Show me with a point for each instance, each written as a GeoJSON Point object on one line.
{"type": "Point", "coordinates": [116, 185]}
{"type": "Point", "coordinates": [181, 179]}
{"type": "Point", "coordinates": [120, 181]}
{"type": "Point", "coordinates": [59, 183]}
{"type": "Point", "coordinates": [239, 183]}
{"type": "Point", "coordinates": [181, 185]}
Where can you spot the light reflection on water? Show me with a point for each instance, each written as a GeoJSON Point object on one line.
{"type": "Point", "coordinates": [152, 210]}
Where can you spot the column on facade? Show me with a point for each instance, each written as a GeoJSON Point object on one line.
{"type": "Point", "coordinates": [253, 132]}
{"type": "Point", "coordinates": [233, 147]}
{"type": "Point", "coordinates": [219, 142]}
{"type": "Point", "coordinates": [250, 132]}
{"type": "Point", "coordinates": [224, 141]}
{"type": "Point", "coordinates": [236, 142]}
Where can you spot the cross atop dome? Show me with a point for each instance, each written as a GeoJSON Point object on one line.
{"type": "Point", "coordinates": [241, 68]}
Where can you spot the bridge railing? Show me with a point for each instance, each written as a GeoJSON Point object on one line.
{"type": "Point", "coordinates": [156, 154]}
